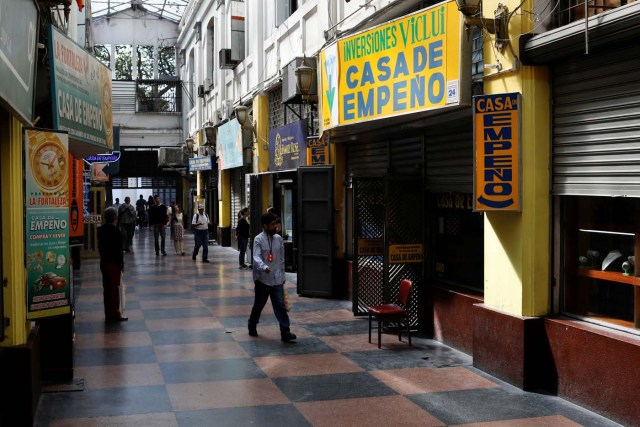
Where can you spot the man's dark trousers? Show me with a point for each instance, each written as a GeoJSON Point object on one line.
{"type": "Point", "coordinates": [158, 231]}
{"type": "Point", "coordinates": [201, 238]}
{"type": "Point", "coordinates": [263, 292]}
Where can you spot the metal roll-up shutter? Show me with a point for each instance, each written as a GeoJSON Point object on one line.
{"type": "Point", "coordinates": [449, 157]}
{"type": "Point", "coordinates": [379, 158]}
{"type": "Point", "coordinates": [237, 186]}
{"type": "Point", "coordinates": [596, 124]}
{"type": "Point", "coordinates": [406, 156]}
{"type": "Point", "coordinates": [367, 158]}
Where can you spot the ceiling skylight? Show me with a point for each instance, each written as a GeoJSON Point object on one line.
{"type": "Point", "coordinates": [169, 9]}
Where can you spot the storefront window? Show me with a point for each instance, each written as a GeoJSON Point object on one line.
{"type": "Point", "coordinates": [458, 248]}
{"type": "Point", "coordinates": [600, 240]}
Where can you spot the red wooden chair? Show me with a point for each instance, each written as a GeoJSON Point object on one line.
{"type": "Point", "coordinates": [395, 312]}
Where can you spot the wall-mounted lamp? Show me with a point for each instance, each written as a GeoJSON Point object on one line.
{"type": "Point", "coordinates": [472, 10]}
{"type": "Point", "coordinates": [242, 114]}
{"type": "Point", "coordinates": [304, 81]}
{"type": "Point", "coordinates": [210, 133]}
{"type": "Point", "coordinates": [189, 143]}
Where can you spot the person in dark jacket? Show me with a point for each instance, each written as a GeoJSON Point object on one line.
{"type": "Point", "coordinates": [111, 265]}
{"type": "Point", "coordinates": [242, 234]}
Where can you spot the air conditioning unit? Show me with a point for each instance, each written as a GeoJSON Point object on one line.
{"type": "Point", "coordinates": [290, 92]}
{"type": "Point", "coordinates": [172, 157]}
{"type": "Point", "coordinates": [226, 62]}
{"type": "Point", "coordinates": [208, 85]}
{"type": "Point", "coordinates": [219, 114]}
{"type": "Point", "coordinates": [227, 109]}
{"type": "Point", "coordinates": [200, 91]}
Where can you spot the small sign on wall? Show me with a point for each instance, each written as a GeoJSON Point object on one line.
{"type": "Point", "coordinates": [497, 175]}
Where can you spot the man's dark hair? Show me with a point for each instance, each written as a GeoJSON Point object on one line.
{"type": "Point", "coordinates": [266, 218]}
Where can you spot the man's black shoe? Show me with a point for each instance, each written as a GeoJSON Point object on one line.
{"type": "Point", "coordinates": [288, 337]}
{"type": "Point", "coordinates": [253, 332]}
{"type": "Point", "coordinates": [157, 253]}
{"type": "Point", "coordinates": [193, 257]}
{"type": "Point", "coordinates": [205, 260]}
{"type": "Point", "coordinates": [164, 253]}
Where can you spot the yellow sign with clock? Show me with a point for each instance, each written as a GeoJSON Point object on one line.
{"type": "Point", "coordinates": [49, 163]}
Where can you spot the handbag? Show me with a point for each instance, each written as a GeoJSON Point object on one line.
{"type": "Point", "coordinates": [287, 303]}
{"type": "Point", "coordinates": [122, 293]}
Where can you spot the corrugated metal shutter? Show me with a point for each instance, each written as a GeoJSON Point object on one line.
{"type": "Point", "coordinates": [366, 158]}
{"type": "Point", "coordinates": [596, 124]}
{"type": "Point", "coordinates": [398, 157]}
{"type": "Point", "coordinates": [406, 156]}
{"type": "Point", "coordinates": [237, 186]}
{"type": "Point", "coordinates": [449, 157]}
{"type": "Point", "coordinates": [123, 96]}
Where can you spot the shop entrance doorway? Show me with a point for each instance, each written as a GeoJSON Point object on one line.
{"type": "Point", "coordinates": [388, 236]}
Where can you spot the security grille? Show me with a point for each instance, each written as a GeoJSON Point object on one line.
{"type": "Point", "coordinates": [403, 226]}
{"type": "Point", "coordinates": [368, 277]}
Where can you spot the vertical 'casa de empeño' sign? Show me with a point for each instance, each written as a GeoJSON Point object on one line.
{"type": "Point", "coordinates": [414, 63]}
{"type": "Point", "coordinates": [497, 175]}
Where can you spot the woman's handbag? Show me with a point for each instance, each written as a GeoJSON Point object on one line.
{"type": "Point", "coordinates": [287, 303]}
{"type": "Point", "coordinates": [122, 289]}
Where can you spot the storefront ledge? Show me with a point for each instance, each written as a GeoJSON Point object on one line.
{"type": "Point", "coordinates": [21, 381]}
{"type": "Point", "coordinates": [596, 367]}
{"type": "Point", "coordinates": [224, 236]}
{"type": "Point", "coordinates": [512, 348]}
{"type": "Point", "coordinates": [453, 316]}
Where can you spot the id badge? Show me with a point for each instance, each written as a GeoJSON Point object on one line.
{"type": "Point", "coordinates": [270, 257]}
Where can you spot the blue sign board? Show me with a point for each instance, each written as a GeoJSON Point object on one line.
{"type": "Point", "coordinates": [114, 156]}
{"type": "Point", "coordinates": [288, 146]}
{"type": "Point", "coordinates": [200, 163]}
{"type": "Point", "coordinates": [229, 145]}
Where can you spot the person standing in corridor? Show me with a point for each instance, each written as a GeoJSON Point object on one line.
{"type": "Point", "coordinates": [269, 277]}
{"type": "Point", "coordinates": [242, 234]}
{"type": "Point", "coordinates": [111, 265]}
{"type": "Point", "coordinates": [200, 225]}
{"type": "Point", "coordinates": [127, 223]}
{"type": "Point", "coordinates": [158, 220]}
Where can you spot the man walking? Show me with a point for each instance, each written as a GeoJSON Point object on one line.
{"type": "Point", "coordinates": [269, 277]}
{"type": "Point", "coordinates": [141, 209]}
{"type": "Point", "coordinates": [127, 223]}
{"type": "Point", "coordinates": [200, 225]}
{"type": "Point", "coordinates": [158, 220]}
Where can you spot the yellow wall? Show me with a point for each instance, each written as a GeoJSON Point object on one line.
{"type": "Point", "coordinates": [13, 230]}
{"type": "Point", "coordinates": [261, 146]}
{"type": "Point", "coordinates": [517, 245]}
{"type": "Point", "coordinates": [225, 199]}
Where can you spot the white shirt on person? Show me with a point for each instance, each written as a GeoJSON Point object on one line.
{"type": "Point", "coordinates": [200, 221]}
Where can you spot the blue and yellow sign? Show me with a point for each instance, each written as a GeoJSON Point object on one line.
{"type": "Point", "coordinates": [408, 65]}
{"type": "Point", "coordinates": [287, 146]}
{"type": "Point", "coordinates": [317, 151]}
{"type": "Point", "coordinates": [497, 152]}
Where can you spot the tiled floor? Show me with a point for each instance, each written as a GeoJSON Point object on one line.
{"type": "Point", "coordinates": [184, 358]}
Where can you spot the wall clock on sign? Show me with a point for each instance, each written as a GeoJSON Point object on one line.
{"type": "Point", "coordinates": [49, 165]}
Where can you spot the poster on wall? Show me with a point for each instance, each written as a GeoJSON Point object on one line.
{"type": "Point", "coordinates": [46, 185]}
{"type": "Point", "coordinates": [497, 175]}
{"type": "Point", "coordinates": [76, 197]}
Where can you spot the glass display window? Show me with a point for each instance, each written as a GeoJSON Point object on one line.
{"type": "Point", "coordinates": [599, 246]}
{"type": "Point", "coordinates": [458, 241]}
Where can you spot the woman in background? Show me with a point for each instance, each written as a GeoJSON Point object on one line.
{"type": "Point", "coordinates": [242, 234]}
{"type": "Point", "coordinates": [178, 230]}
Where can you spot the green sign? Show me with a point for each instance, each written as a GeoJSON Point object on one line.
{"type": "Point", "coordinates": [80, 92]}
{"type": "Point", "coordinates": [17, 55]}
